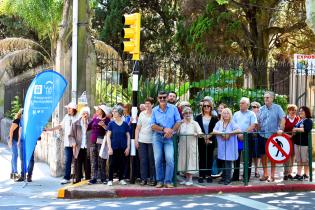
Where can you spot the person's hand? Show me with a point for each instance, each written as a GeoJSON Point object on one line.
{"type": "Point", "coordinates": [280, 132]}
{"type": "Point", "coordinates": [18, 143]}
{"type": "Point", "coordinates": [226, 136]}
{"type": "Point", "coordinates": [137, 144]}
{"type": "Point", "coordinates": [10, 143]}
{"type": "Point", "coordinates": [127, 151]}
{"type": "Point", "coordinates": [168, 132]}
{"type": "Point", "coordinates": [208, 141]}
{"type": "Point", "coordinates": [110, 151]}
{"type": "Point", "coordinates": [101, 123]}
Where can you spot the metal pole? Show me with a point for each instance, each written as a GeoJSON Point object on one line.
{"type": "Point", "coordinates": [245, 158]}
{"type": "Point", "coordinates": [134, 112]}
{"type": "Point", "coordinates": [74, 62]}
{"type": "Point", "coordinates": [310, 156]}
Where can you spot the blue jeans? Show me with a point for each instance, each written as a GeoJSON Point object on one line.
{"type": "Point", "coordinates": [15, 155]}
{"type": "Point", "coordinates": [163, 150]}
{"type": "Point", "coordinates": [31, 163]}
{"type": "Point", "coordinates": [68, 161]}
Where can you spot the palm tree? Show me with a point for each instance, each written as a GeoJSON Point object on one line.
{"type": "Point", "coordinates": [18, 55]}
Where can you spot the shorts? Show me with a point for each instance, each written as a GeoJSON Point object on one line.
{"type": "Point", "coordinates": [261, 146]}
{"type": "Point", "coordinates": [301, 153]}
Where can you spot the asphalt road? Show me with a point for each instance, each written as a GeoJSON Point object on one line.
{"type": "Point", "coordinates": [270, 201]}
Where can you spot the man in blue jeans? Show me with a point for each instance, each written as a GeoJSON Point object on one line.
{"type": "Point", "coordinates": [164, 122]}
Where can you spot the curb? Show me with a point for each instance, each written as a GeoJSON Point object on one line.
{"type": "Point", "coordinates": [77, 193]}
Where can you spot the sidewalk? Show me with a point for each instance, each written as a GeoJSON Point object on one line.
{"type": "Point", "coordinates": [43, 185]}
{"type": "Point", "coordinates": [83, 190]}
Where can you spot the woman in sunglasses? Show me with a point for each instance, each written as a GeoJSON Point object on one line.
{"type": "Point", "coordinates": [206, 146]}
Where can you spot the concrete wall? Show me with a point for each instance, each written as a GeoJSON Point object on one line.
{"type": "Point", "coordinates": [49, 150]}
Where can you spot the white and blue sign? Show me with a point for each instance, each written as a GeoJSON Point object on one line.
{"type": "Point", "coordinates": [42, 97]}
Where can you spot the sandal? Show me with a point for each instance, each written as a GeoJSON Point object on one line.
{"type": "Point", "coordinates": [257, 175]}
{"type": "Point", "coordinates": [264, 178]}
{"type": "Point", "coordinates": [272, 179]}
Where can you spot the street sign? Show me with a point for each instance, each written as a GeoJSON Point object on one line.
{"type": "Point", "coordinates": [279, 148]}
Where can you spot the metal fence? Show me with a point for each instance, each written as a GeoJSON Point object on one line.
{"type": "Point", "coordinates": [204, 155]}
{"type": "Point", "coordinates": [224, 79]}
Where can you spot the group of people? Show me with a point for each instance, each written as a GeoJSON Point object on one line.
{"type": "Point", "coordinates": [209, 143]}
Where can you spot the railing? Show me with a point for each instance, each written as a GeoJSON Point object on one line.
{"type": "Point", "coordinates": [193, 139]}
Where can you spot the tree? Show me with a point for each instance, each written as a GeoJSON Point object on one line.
{"type": "Point", "coordinates": [157, 24]}
{"type": "Point", "coordinates": [249, 28]}
{"type": "Point", "coordinates": [42, 16]}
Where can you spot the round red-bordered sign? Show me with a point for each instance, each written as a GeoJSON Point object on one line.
{"type": "Point", "coordinates": [279, 148]}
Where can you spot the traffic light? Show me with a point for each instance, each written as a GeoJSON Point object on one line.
{"type": "Point", "coordinates": [133, 34]}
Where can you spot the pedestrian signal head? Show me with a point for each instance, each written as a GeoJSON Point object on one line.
{"type": "Point", "coordinates": [132, 46]}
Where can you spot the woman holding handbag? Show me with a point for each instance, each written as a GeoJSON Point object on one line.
{"type": "Point", "coordinates": [98, 127]}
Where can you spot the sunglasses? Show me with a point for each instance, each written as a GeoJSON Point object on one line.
{"type": "Point", "coordinates": [162, 97]}
{"type": "Point", "coordinates": [188, 113]}
{"type": "Point", "coordinates": [206, 106]}
{"type": "Point", "coordinates": [254, 107]}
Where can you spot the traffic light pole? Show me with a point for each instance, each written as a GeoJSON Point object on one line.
{"type": "Point", "coordinates": [134, 112]}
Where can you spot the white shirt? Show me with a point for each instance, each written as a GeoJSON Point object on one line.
{"type": "Point", "coordinates": [145, 133]}
{"type": "Point", "coordinates": [66, 124]}
{"type": "Point", "coordinates": [84, 127]}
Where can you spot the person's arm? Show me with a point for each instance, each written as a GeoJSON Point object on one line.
{"type": "Point", "coordinates": [71, 137]}
{"type": "Point", "coordinates": [170, 131]}
{"type": "Point", "coordinates": [282, 125]}
{"type": "Point", "coordinates": [137, 131]}
{"type": "Point", "coordinates": [12, 128]}
{"type": "Point", "coordinates": [254, 122]}
{"type": "Point", "coordinates": [109, 143]}
{"type": "Point", "coordinates": [282, 121]}
{"type": "Point", "coordinates": [20, 134]}
{"type": "Point", "coordinates": [58, 127]}
{"type": "Point", "coordinates": [128, 144]}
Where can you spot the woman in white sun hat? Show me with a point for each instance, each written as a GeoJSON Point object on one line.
{"type": "Point", "coordinates": [65, 125]}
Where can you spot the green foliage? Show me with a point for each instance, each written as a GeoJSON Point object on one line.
{"type": "Point", "coordinates": [110, 93]}
{"type": "Point", "coordinates": [42, 16]}
{"type": "Point", "coordinates": [15, 107]}
{"type": "Point", "coordinates": [225, 86]}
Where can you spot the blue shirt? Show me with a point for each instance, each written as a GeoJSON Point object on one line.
{"type": "Point", "coordinates": [167, 118]}
{"type": "Point", "coordinates": [269, 119]}
{"type": "Point", "coordinates": [118, 135]}
{"type": "Point", "coordinates": [227, 149]}
{"type": "Point", "coordinates": [244, 120]}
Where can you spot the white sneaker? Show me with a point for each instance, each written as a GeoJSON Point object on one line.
{"type": "Point", "coordinates": [65, 181]}
{"type": "Point", "coordinates": [189, 183]}
{"type": "Point", "coordinates": [122, 182]}
{"type": "Point", "coordinates": [110, 183]}
{"type": "Point", "coordinates": [182, 182]}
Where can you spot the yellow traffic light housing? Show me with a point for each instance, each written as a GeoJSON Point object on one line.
{"type": "Point", "coordinates": [133, 34]}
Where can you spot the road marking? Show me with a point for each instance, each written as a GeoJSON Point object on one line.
{"type": "Point", "coordinates": [61, 191]}
{"type": "Point", "coordinates": [248, 202]}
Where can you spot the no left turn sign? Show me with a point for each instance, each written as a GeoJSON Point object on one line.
{"type": "Point", "coordinates": [279, 148]}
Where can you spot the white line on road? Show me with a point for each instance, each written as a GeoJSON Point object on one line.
{"type": "Point", "coordinates": [248, 202]}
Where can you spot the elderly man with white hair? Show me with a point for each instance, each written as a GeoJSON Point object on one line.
{"type": "Point", "coordinates": [246, 120]}
{"type": "Point", "coordinates": [271, 119]}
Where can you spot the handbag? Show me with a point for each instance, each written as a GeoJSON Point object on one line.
{"type": "Point", "coordinates": [99, 140]}
{"type": "Point", "coordinates": [104, 149]}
